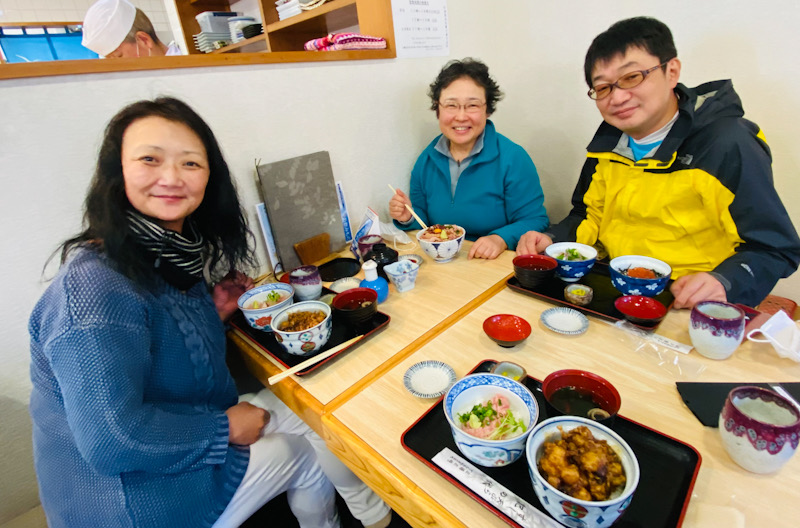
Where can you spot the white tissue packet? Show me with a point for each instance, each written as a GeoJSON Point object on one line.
{"type": "Point", "coordinates": [370, 225]}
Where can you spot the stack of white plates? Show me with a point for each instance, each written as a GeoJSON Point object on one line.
{"type": "Point", "coordinates": [288, 8]}
{"type": "Point", "coordinates": [204, 41]}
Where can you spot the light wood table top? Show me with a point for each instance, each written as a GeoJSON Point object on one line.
{"type": "Point", "coordinates": [365, 431]}
{"type": "Point", "coordinates": [443, 293]}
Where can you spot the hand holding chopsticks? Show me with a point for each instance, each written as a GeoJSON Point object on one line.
{"type": "Point", "coordinates": [410, 210]}
{"type": "Point", "coordinates": [312, 360]}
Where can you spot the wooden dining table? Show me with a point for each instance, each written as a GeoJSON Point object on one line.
{"type": "Point", "coordinates": [359, 404]}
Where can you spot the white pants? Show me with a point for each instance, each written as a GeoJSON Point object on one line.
{"type": "Point", "coordinates": [289, 458]}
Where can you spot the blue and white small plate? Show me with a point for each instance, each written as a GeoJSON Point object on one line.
{"type": "Point", "coordinates": [413, 258]}
{"type": "Point", "coordinates": [565, 321]}
{"type": "Point", "coordinates": [429, 379]}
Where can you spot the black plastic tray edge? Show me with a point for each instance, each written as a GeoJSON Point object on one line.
{"type": "Point", "coordinates": [500, 514]}
{"type": "Point", "coordinates": [250, 332]}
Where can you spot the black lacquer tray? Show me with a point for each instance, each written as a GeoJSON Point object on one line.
{"type": "Point", "coordinates": [668, 467]}
{"type": "Point", "coordinates": [605, 294]}
{"type": "Point", "coordinates": [340, 333]}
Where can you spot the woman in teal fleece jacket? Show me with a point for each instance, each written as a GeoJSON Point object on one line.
{"type": "Point", "coordinates": [471, 175]}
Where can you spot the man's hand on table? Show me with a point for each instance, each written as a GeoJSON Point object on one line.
{"type": "Point", "coordinates": [692, 289]}
{"type": "Point", "coordinates": [533, 243]}
{"type": "Point", "coordinates": [488, 247]}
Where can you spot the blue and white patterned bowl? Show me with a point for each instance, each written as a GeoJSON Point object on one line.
{"type": "Point", "coordinates": [572, 270]}
{"type": "Point", "coordinates": [633, 286]}
{"type": "Point", "coordinates": [304, 342]}
{"type": "Point", "coordinates": [261, 318]}
{"type": "Point", "coordinates": [568, 510]}
{"type": "Point", "coordinates": [403, 274]}
{"type": "Point", "coordinates": [480, 388]}
{"type": "Point", "coordinates": [442, 251]}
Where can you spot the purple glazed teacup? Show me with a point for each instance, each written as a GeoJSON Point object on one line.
{"type": "Point", "coordinates": [716, 328]}
{"type": "Point", "coordinates": [759, 428]}
{"type": "Point", "coordinates": [366, 242]}
{"type": "Point", "coordinates": [307, 283]}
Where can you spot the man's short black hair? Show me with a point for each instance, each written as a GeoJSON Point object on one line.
{"type": "Point", "coordinates": [649, 34]}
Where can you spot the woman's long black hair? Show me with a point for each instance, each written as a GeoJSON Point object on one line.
{"type": "Point", "coordinates": [219, 218]}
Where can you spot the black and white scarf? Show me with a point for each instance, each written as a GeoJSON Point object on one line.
{"type": "Point", "coordinates": [173, 253]}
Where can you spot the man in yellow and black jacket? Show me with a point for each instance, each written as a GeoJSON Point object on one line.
{"type": "Point", "coordinates": [676, 173]}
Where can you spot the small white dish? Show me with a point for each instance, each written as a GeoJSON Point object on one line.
{"type": "Point", "coordinates": [413, 258]}
{"type": "Point", "coordinates": [565, 321]}
{"type": "Point", "coordinates": [347, 283]}
{"type": "Point", "coordinates": [429, 379]}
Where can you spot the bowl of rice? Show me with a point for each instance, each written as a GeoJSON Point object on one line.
{"type": "Point", "coordinates": [490, 417]}
{"type": "Point", "coordinates": [639, 275]}
{"type": "Point", "coordinates": [441, 242]}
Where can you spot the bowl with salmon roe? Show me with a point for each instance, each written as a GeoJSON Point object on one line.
{"type": "Point", "coordinates": [639, 275]}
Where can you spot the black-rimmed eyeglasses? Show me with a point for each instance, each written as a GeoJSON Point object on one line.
{"type": "Point", "coordinates": [626, 82]}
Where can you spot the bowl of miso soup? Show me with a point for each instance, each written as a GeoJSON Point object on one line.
{"type": "Point", "coordinates": [580, 393]}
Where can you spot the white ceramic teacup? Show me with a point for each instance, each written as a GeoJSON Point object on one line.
{"type": "Point", "coordinates": [716, 328]}
{"type": "Point", "coordinates": [307, 283]}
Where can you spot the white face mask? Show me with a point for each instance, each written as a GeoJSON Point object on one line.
{"type": "Point", "coordinates": [782, 333]}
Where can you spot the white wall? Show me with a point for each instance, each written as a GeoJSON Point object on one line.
{"type": "Point", "coordinates": [372, 118]}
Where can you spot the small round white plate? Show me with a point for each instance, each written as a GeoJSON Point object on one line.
{"type": "Point", "coordinates": [412, 257]}
{"type": "Point", "coordinates": [429, 379]}
{"type": "Point", "coordinates": [565, 321]}
{"type": "Point", "coordinates": [347, 283]}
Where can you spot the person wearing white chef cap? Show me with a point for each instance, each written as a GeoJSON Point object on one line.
{"type": "Point", "coordinates": [117, 28]}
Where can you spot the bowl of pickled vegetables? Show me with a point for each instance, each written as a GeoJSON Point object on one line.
{"type": "Point", "coordinates": [574, 259]}
{"type": "Point", "coordinates": [639, 275]}
{"type": "Point", "coordinates": [260, 304]}
{"type": "Point", "coordinates": [441, 242]}
{"type": "Point", "coordinates": [490, 417]}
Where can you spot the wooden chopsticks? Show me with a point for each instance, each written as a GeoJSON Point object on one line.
{"type": "Point", "coordinates": [312, 361]}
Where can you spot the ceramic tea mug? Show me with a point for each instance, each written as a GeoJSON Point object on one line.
{"type": "Point", "coordinates": [759, 428]}
{"type": "Point", "coordinates": [307, 283]}
{"type": "Point", "coordinates": [366, 242]}
{"type": "Point", "coordinates": [716, 328]}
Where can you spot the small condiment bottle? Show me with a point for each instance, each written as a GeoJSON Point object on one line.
{"type": "Point", "coordinates": [373, 281]}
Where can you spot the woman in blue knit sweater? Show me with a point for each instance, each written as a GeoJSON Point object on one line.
{"type": "Point", "coordinates": [135, 415]}
{"type": "Point", "coordinates": [470, 175]}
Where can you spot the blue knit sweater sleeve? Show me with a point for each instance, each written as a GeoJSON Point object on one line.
{"type": "Point", "coordinates": [99, 345]}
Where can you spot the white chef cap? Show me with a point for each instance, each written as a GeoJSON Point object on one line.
{"type": "Point", "coordinates": [106, 25]}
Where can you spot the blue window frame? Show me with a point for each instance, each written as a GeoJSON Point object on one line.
{"type": "Point", "coordinates": [43, 43]}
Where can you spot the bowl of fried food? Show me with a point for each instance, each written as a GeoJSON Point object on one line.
{"type": "Point", "coordinates": [581, 470]}
{"type": "Point", "coordinates": [303, 328]}
{"type": "Point", "coordinates": [490, 417]}
{"type": "Point", "coordinates": [639, 275]}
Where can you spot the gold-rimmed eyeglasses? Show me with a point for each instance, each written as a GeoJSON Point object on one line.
{"type": "Point", "coordinates": [626, 82]}
{"type": "Point", "coordinates": [470, 107]}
